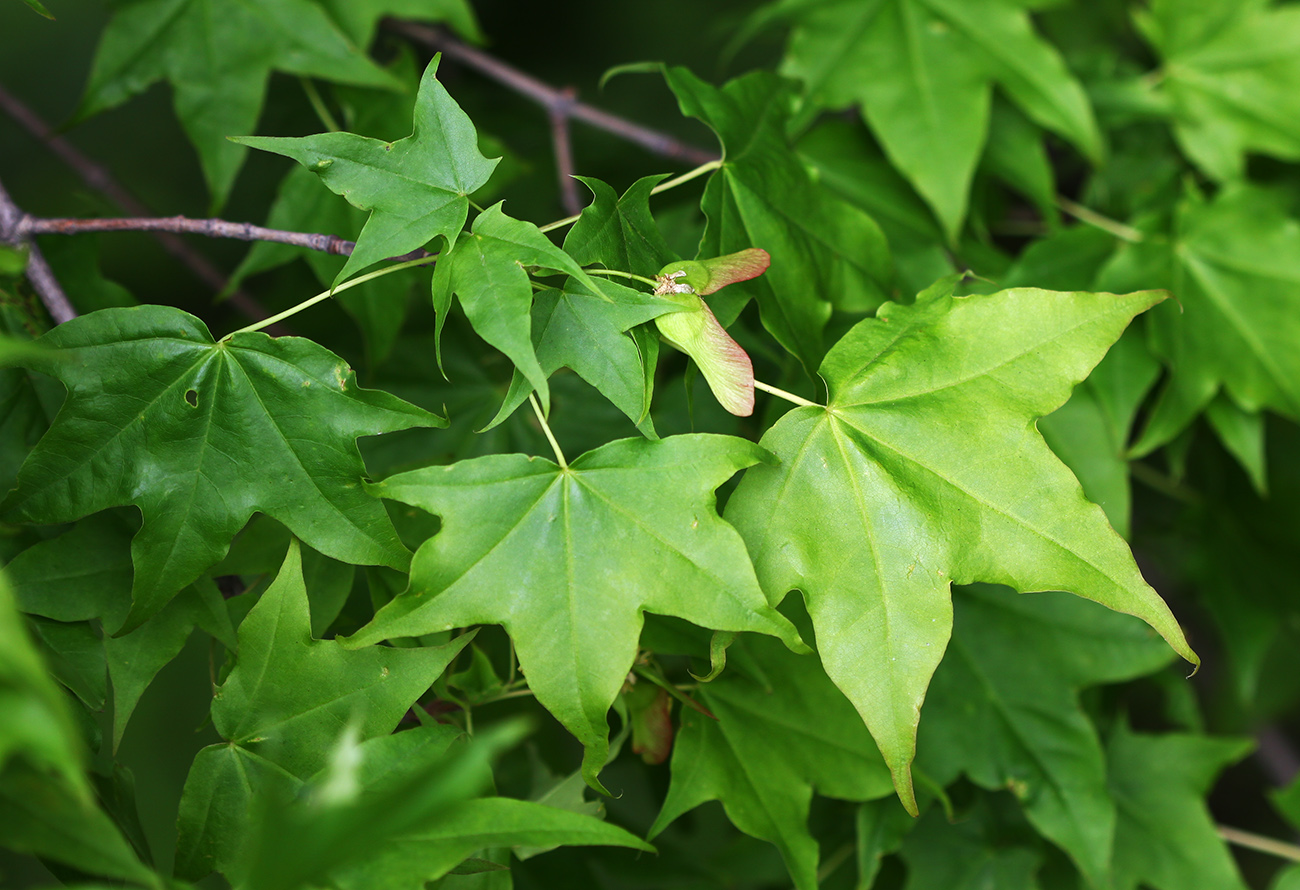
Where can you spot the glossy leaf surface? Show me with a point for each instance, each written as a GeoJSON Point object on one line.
{"type": "Point", "coordinates": [923, 72]}
{"type": "Point", "coordinates": [254, 424]}
{"type": "Point", "coordinates": [1233, 263]}
{"type": "Point", "coordinates": [415, 188]}
{"type": "Point", "coordinates": [782, 729]}
{"type": "Point", "coordinates": [281, 710]}
{"type": "Point", "coordinates": [916, 476]}
{"type": "Point", "coordinates": [218, 57]}
{"type": "Point", "coordinates": [1010, 678]}
{"type": "Point", "coordinates": [567, 559]}
{"type": "Point", "coordinates": [822, 248]}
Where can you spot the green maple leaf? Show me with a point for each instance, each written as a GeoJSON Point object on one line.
{"type": "Point", "coordinates": [1231, 89]}
{"type": "Point", "coordinates": [568, 558]}
{"type": "Point", "coordinates": [575, 329]}
{"type": "Point", "coordinates": [85, 574]}
{"type": "Point", "coordinates": [619, 232]}
{"type": "Point", "coordinates": [360, 18]}
{"type": "Point", "coordinates": [415, 188]}
{"type": "Point", "coordinates": [822, 248]}
{"type": "Point", "coordinates": [1091, 432]}
{"type": "Point", "coordinates": [301, 205]}
{"type": "Point", "coordinates": [218, 56]}
{"type": "Point", "coordinates": [923, 73]}
{"type": "Point", "coordinates": [475, 825]}
{"type": "Point", "coordinates": [925, 470]}
{"type": "Point", "coordinates": [1011, 678]}
{"type": "Point", "coordinates": [1165, 837]}
{"type": "Point", "coordinates": [281, 709]}
{"type": "Point", "coordinates": [397, 811]}
{"type": "Point", "coordinates": [485, 270]}
{"type": "Point", "coordinates": [781, 730]}
{"type": "Point", "coordinates": [1233, 264]}
{"type": "Point", "coordinates": [200, 435]}
{"type": "Point", "coordinates": [967, 853]}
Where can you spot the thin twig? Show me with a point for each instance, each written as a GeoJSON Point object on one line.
{"type": "Point", "coordinates": [1093, 218]}
{"type": "Point", "coordinates": [782, 394]}
{"type": "Point", "coordinates": [98, 178]}
{"type": "Point", "coordinates": [706, 167]}
{"type": "Point", "coordinates": [548, 96]}
{"type": "Point", "coordinates": [550, 436]}
{"type": "Point", "coordinates": [1259, 842]}
{"type": "Point", "coordinates": [325, 295]}
{"type": "Point", "coordinates": [38, 271]}
{"type": "Point", "coordinates": [559, 116]}
{"type": "Point", "coordinates": [212, 228]}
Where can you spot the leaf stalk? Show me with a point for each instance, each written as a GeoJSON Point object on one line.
{"type": "Point", "coordinates": [788, 396]}
{"type": "Point", "coordinates": [546, 428]}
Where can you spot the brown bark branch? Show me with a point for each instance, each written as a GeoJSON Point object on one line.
{"type": "Point", "coordinates": [569, 198]}
{"type": "Point", "coordinates": [212, 228]}
{"type": "Point", "coordinates": [38, 271]}
{"type": "Point", "coordinates": [555, 101]}
{"type": "Point", "coordinates": [98, 178]}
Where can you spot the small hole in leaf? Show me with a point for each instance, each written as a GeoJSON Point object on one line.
{"type": "Point", "coordinates": [192, 397]}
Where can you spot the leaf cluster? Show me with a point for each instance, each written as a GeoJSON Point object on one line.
{"type": "Point", "coordinates": [474, 584]}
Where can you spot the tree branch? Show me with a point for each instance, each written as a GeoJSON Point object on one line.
{"type": "Point", "coordinates": [555, 101]}
{"type": "Point", "coordinates": [564, 156]}
{"type": "Point", "coordinates": [212, 228]}
{"type": "Point", "coordinates": [98, 178]}
{"type": "Point", "coordinates": [38, 271]}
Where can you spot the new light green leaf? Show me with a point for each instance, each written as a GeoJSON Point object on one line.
{"type": "Point", "coordinates": [926, 470]}
{"type": "Point", "coordinates": [618, 231]}
{"type": "Point", "coordinates": [823, 249]}
{"type": "Point", "coordinates": [485, 270]}
{"type": "Point", "coordinates": [1165, 837]}
{"type": "Point", "coordinates": [218, 56]}
{"type": "Point", "coordinates": [1232, 74]}
{"type": "Point", "coordinates": [572, 328]}
{"type": "Point", "coordinates": [568, 559]}
{"type": "Point", "coordinates": [1011, 678]}
{"type": "Point", "coordinates": [922, 72]}
{"type": "Point", "coordinates": [415, 188]}
{"type": "Point", "coordinates": [1091, 432]}
{"type": "Point", "coordinates": [200, 435]}
{"type": "Point", "coordinates": [782, 729]}
{"type": "Point", "coordinates": [1233, 263]}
